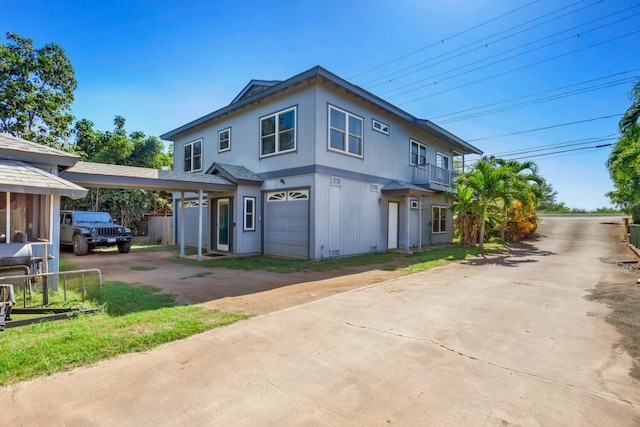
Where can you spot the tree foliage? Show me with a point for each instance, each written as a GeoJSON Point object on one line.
{"type": "Point", "coordinates": [624, 160]}
{"type": "Point", "coordinates": [36, 91]}
{"type": "Point", "coordinates": [118, 147]}
{"type": "Point", "coordinates": [497, 194]}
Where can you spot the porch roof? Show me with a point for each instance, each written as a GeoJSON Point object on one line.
{"type": "Point", "coordinates": [20, 177]}
{"type": "Point", "coordinates": [236, 174]}
{"type": "Point", "coordinates": [128, 177]}
{"type": "Point", "coordinates": [405, 189]}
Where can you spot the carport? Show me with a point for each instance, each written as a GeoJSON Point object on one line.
{"type": "Point", "coordinates": [100, 175]}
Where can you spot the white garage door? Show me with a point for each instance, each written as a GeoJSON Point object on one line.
{"type": "Point", "coordinates": [287, 224]}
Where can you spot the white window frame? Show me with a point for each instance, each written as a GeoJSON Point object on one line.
{"type": "Point", "coordinates": [228, 140]}
{"type": "Point", "coordinates": [440, 157]}
{"type": "Point", "coordinates": [419, 145]}
{"type": "Point", "coordinates": [287, 196]}
{"type": "Point", "coordinates": [347, 132]}
{"type": "Point", "coordinates": [250, 213]}
{"type": "Point", "coordinates": [442, 216]}
{"type": "Point", "coordinates": [381, 127]}
{"type": "Point", "coordinates": [192, 157]}
{"type": "Point", "coordinates": [277, 131]}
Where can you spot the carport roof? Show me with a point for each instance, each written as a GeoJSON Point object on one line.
{"type": "Point", "coordinates": [20, 177]}
{"type": "Point", "coordinates": [128, 177]}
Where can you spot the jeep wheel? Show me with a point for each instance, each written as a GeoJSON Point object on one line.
{"type": "Point", "coordinates": [80, 246]}
{"type": "Point", "coordinates": [124, 247]}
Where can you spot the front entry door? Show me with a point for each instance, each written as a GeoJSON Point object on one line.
{"type": "Point", "coordinates": [222, 225]}
{"type": "Point", "coordinates": [392, 229]}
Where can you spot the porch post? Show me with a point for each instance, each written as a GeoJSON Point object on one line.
{"type": "Point", "coordinates": [181, 224]}
{"type": "Point", "coordinates": [200, 193]}
{"type": "Point", "coordinates": [7, 226]}
{"type": "Point", "coordinates": [420, 223]}
{"type": "Point", "coordinates": [408, 216]}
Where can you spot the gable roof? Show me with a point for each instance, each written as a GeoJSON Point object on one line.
{"type": "Point", "coordinates": [235, 174]}
{"type": "Point", "coordinates": [14, 148]}
{"type": "Point", "coordinates": [322, 75]}
{"type": "Point", "coordinates": [254, 87]}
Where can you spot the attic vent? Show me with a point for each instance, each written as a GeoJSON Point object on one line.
{"type": "Point", "coordinates": [375, 188]}
{"type": "Point", "coordinates": [336, 182]}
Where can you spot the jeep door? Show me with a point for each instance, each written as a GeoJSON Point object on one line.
{"type": "Point", "coordinates": [66, 228]}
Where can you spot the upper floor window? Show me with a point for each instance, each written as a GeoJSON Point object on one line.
{"type": "Point", "coordinates": [380, 127]}
{"type": "Point", "coordinates": [345, 132]}
{"type": "Point", "coordinates": [278, 132]}
{"type": "Point", "coordinates": [418, 153]}
{"type": "Point", "coordinates": [224, 139]}
{"type": "Point", "coordinates": [193, 156]}
{"type": "Point", "coordinates": [439, 217]}
{"type": "Point", "coordinates": [442, 161]}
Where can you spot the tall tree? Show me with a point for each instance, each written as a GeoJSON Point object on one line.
{"type": "Point", "coordinates": [624, 160]}
{"type": "Point", "coordinates": [36, 91]}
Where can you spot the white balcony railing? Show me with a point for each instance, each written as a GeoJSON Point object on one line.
{"type": "Point", "coordinates": [432, 174]}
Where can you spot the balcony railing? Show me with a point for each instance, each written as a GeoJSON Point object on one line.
{"type": "Point", "coordinates": [432, 174]}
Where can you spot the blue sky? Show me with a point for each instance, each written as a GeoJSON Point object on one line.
{"type": "Point", "coordinates": [161, 64]}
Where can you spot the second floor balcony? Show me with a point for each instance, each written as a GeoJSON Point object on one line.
{"type": "Point", "coordinates": [433, 177]}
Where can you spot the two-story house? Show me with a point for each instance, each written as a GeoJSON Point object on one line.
{"type": "Point", "coordinates": [318, 168]}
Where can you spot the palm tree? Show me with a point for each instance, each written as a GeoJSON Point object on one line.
{"type": "Point", "coordinates": [522, 183]}
{"type": "Point", "coordinates": [630, 118]}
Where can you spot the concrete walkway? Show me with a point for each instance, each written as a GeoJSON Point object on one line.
{"type": "Point", "coordinates": [504, 340]}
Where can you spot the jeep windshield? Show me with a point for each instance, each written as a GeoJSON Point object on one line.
{"type": "Point", "coordinates": [93, 217]}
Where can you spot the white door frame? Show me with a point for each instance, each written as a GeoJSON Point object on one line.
{"type": "Point", "coordinates": [392, 226]}
{"type": "Point", "coordinates": [219, 246]}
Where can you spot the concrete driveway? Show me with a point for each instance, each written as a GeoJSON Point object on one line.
{"type": "Point", "coordinates": [504, 340]}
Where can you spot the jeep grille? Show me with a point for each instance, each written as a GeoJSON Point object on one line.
{"type": "Point", "coordinates": [107, 231]}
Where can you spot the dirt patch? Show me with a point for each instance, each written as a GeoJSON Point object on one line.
{"type": "Point", "coordinates": [255, 292]}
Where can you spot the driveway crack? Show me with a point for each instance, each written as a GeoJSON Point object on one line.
{"type": "Point", "coordinates": [496, 365]}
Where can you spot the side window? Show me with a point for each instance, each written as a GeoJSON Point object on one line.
{"type": "Point", "coordinates": [249, 213]}
{"type": "Point", "coordinates": [439, 218]}
{"type": "Point", "coordinates": [418, 153]}
{"type": "Point", "coordinates": [193, 156]}
{"type": "Point", "coordinates": [224, 140]}
{"type": "Point", "coordinates": [345, 132]}
{"type": "Point", "coordinates": [442, 161]}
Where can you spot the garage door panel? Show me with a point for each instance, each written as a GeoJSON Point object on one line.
{"type": "Point", "coordinates": [287, 228]}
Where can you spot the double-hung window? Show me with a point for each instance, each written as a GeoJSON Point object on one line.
{"type": "Point", "coordinates": [224, 139]}
{"type": "Point", "coordinates": [278, 132]}
{"type": "Point", "coordinates": [249, 213]}
{"type": "Point", "coordinates": [345, 132]}
{"type": "Point", "coordinates": [442, 161]}
{"type": "Point", "coordinates": [193, 156]}
{"type": "Point", "coordinates": [418, 153]}
{"type": "Point", "coordinates": [439, 218]}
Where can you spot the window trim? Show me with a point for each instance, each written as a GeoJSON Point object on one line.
{"type": "Point", "coordinates": [249, 214]}
{"type": "Point", "coordinates": [220, 132]}
{"type": "Point", "coordinates": [442, 217]}
{"type": "Point", "coordinates": [277, 131]}
{"type": "Point", "coordinates": [419, 144]}
{"type": "Point", "coordinates": [381, 127]}
{"type": "Point", "coordinates": [184, 148]}
{"type": "Point", "coordinates": [346, 132]}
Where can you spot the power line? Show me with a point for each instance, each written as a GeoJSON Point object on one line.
{"type": "Point", "coordinates": [571, 37]}
{"type": "Point", "coordinates": [545, 128]}
{"type": "Point", "coordinates": [443, 40]}
{"type": "Point", "coordinates": [532, 95]}
{"type": "Point", "coordinates": [521, 67]}
{"type": "Point", "coordinates": [538, 148]}
{"type": "Point", "coordinates": [564, 151]}
{"type": "Point", "coordinates": [485, 45]}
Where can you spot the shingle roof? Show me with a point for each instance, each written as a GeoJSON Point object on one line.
{"type": "Point", "coordinates": [14, 148]}
{"type": "Point", "coordinates": [129, 177]}
{"type": "Point", "coordinates": [235, 174]}
{"type": "Point", "coordinates": [19, 177]}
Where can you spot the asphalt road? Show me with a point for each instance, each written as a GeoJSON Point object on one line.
{"type": "Point", "coordinates": [504, 340]}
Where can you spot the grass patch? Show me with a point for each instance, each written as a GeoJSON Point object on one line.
{"type": "Point", "coordinates": [136, 319]}
{"type": "Point", "coordinates": [389, 261]}
{"type": "Point", "coordinates": [624, 300]}
{"type": "Point", "coordinates": [66, 265]}
{"type": "Point", "coordinates": [142, 267]}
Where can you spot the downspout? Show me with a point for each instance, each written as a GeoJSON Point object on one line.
{"type": "Point", "coordinates": [420, 223]}
{"type": "Point", "coordinates": [407, 215]}
{"type": "Point", "coordinates": [181, 226]}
